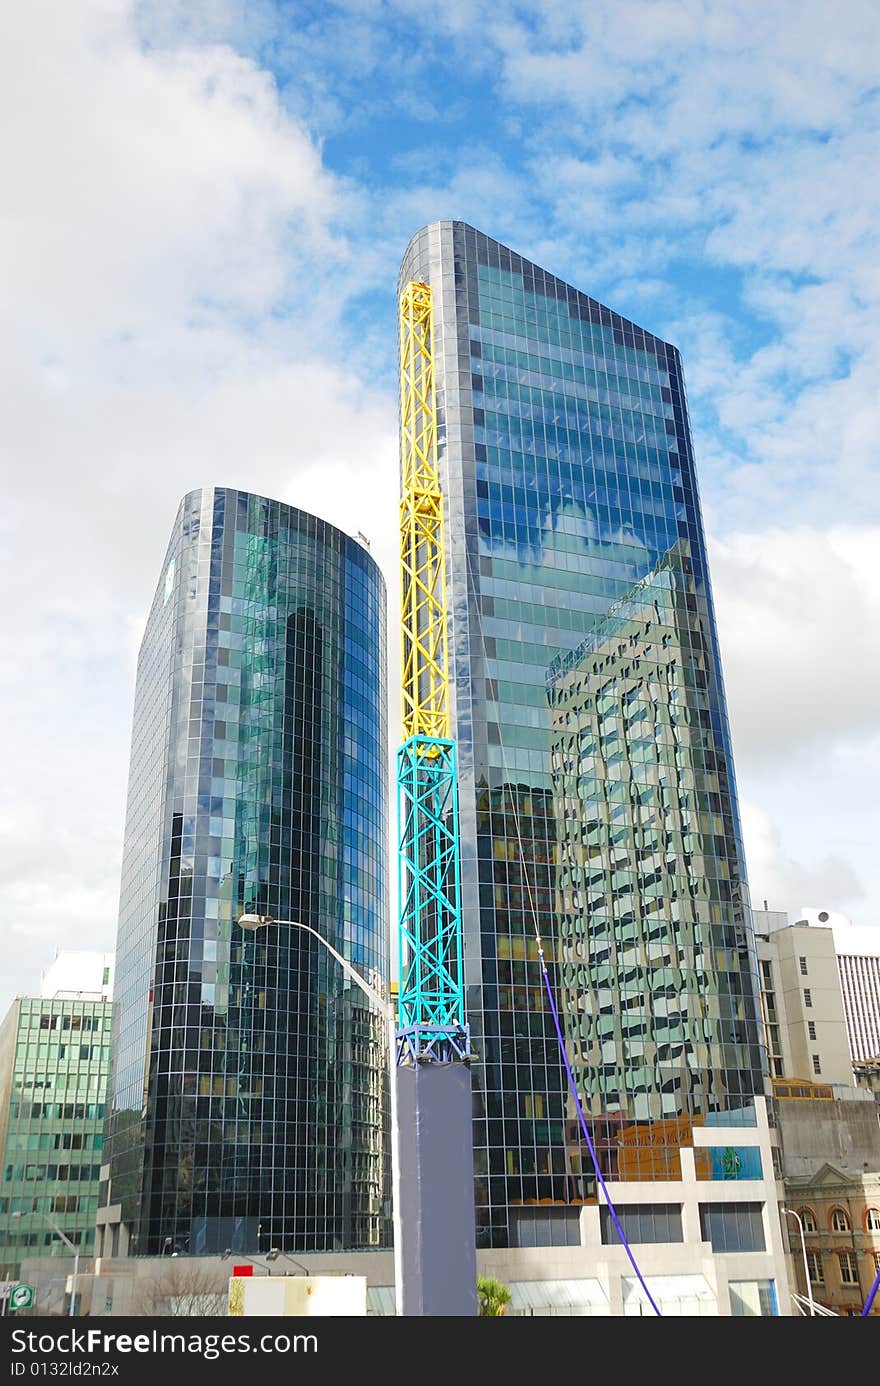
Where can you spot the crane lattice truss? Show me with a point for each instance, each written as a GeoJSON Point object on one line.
{"type": "Point", "coordinates": [431, 1020]}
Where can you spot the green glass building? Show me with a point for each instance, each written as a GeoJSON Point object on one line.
{"type": "Point", "coordinates": [645, 855]}
{"type": "Point", "coordinates": [54, 1062]}
{"type": "Point", "coordinates": [247, 1104]}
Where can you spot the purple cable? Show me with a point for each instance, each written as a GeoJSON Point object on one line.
{"type": "Point", "coordinates": [602, 1184]}
{"type": "Point", "coordinates": [870, 1300]}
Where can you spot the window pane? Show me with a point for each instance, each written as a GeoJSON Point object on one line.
{"type": "Point", "coordinates": [753, 1299]}
{"type": "Point", "coordinates": [643, 1223]}
{"type": "Point", "coordinates": [733, 1226]}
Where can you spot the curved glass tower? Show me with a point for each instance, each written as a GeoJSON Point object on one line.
{"type": "Point", "coordinates": [597, 799]}
{"type": "Point", "coordinates": [247, 1104]}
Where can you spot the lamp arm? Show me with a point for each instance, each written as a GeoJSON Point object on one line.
{"type": "Point", "coordinates": [375, 996]}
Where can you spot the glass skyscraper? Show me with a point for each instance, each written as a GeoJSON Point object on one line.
{"type": "Point", "coordinates": [597, 797]}
{"type": "Point", "coordinates": [247, 1105]}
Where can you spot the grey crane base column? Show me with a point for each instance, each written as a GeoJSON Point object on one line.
{"type": "Point", "coordinates": [438, 1259]}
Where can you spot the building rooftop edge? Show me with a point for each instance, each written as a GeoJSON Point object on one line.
{"type": "Point", "coordinates": [468, 226]}
{"type": "Point", "coordinates": [354, 539]}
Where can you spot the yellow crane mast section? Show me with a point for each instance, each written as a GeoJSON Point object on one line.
{"type": "Point", "coordinates": [425, 676]}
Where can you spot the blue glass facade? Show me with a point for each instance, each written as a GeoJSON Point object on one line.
{"type": "Point", "coordinates": [597, 790]}
{"type": "Point", "coordinates": [247, 1103]}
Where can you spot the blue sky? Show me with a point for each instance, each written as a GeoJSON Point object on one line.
{"type": "Point", "coordinates": [205, 204]}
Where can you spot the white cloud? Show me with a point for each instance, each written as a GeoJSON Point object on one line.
{"type": "Point", "coordinates": [173, 209]}
{"type": "Point", "coordinates": [735, 138]}
{"type": "Point", "coordinates": [798, 613]}
{"type": "Point", "coordinates": [165, 212]}
{"type": "Point", "coordinates": [777, 876]}
{"type": "Point", "coordinates": [59, 873]}
{"type": "Point", "coordinates": [698, 69]}
{"type": "Point", "coordinates": [167, 181]}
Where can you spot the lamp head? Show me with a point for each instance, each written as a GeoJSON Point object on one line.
{"type": "Point", "coordinates": [254, 921]}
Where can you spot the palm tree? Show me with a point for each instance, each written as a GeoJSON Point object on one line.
{"type": "Point", "coordinates": [493, 1296]}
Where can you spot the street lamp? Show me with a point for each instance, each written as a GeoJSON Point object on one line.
{"type": "Point", "coordinates": [74, 1249]}
{"type": "Point", "coordinates": [225, 1255]}
{"type": "Point", "coordinates": [809, 1288]}
{"type": "Point", "coordinates": [273, 1253]}
{"type": "Point", "coordinates": [386, 1008]}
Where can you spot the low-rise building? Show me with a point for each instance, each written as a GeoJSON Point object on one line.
{"type": "Point", "coordinates": [829, 1128]}
{"type": "Point", "coordinates": [54, 1061]}
{"type": "Point", "coordinates": [867, 1075]}
{"type": "Point", "coordinates": [706, 1237]}
{"type": "Point", "coordinates": [840, 1216]}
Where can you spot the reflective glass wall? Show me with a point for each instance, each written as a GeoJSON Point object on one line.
{"type": "Point", "coordinates": [248, 1094]}
{"type": "Point", "coordinates": [54, 1060]}
{"type": "Point", "coordinates": [598, 804]}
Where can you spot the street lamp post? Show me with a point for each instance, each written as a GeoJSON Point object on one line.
{"type": "Point", "coordinates": [809, 1288]}
{"type": "Point", "coordinates": [74, 1249]}
{"type": "Point", "coordinates": [386, 1008]}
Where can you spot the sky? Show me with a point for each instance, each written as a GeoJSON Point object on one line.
{"type": "Point", "coordinates": [203, 206]}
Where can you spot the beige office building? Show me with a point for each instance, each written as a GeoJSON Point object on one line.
{"type": "Point", "coordinates": [801, 997]}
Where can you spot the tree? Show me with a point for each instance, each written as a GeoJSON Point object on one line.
{"type": "Point", "coordinates": [184, 1289]}
{"type": "Point", "coordinates": [493, 1296]}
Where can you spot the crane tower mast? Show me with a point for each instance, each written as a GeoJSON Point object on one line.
{"type": "Point", "coordinates": [431, 1006]}
{"type": "Point", "coordinates": [435, 1256]}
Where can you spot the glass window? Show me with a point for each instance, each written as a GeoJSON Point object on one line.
{"type": "Point", "coordinates": [811, 1029]}
{"type": "Point", "coordinates": [817, 1065]}
{"type": "Point", "coordinates": [733, 1226]}
{"type": "Point", "coordinates": [753, 1299]}
{"type": "Point", "coordinates": [803, 963]}
{"type": "Point", "coordinates": [643, 1223]}
{"type": "Point", "coordinates": [872, 1220]}
{"type": "Point", "coordinates": [839, 1221]}
{"type": "Point", "coordinates": [814, 1266]}
{"type": "Point", "coordinates": [808, 997]}
{"type": "Point", "coordinates": [849, 1268]}
{"type": "Point", "coordinates": [808, 1219]}
{"type": "Point", "coordinates": [546, 1227]}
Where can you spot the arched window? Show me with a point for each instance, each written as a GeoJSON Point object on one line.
{"type": "Point", "coordinates": [872, 1220]}
{"type": "Point", "coordinates": [808, 1219]}
{"type": "Point", "coordinates": [839, 1221]}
